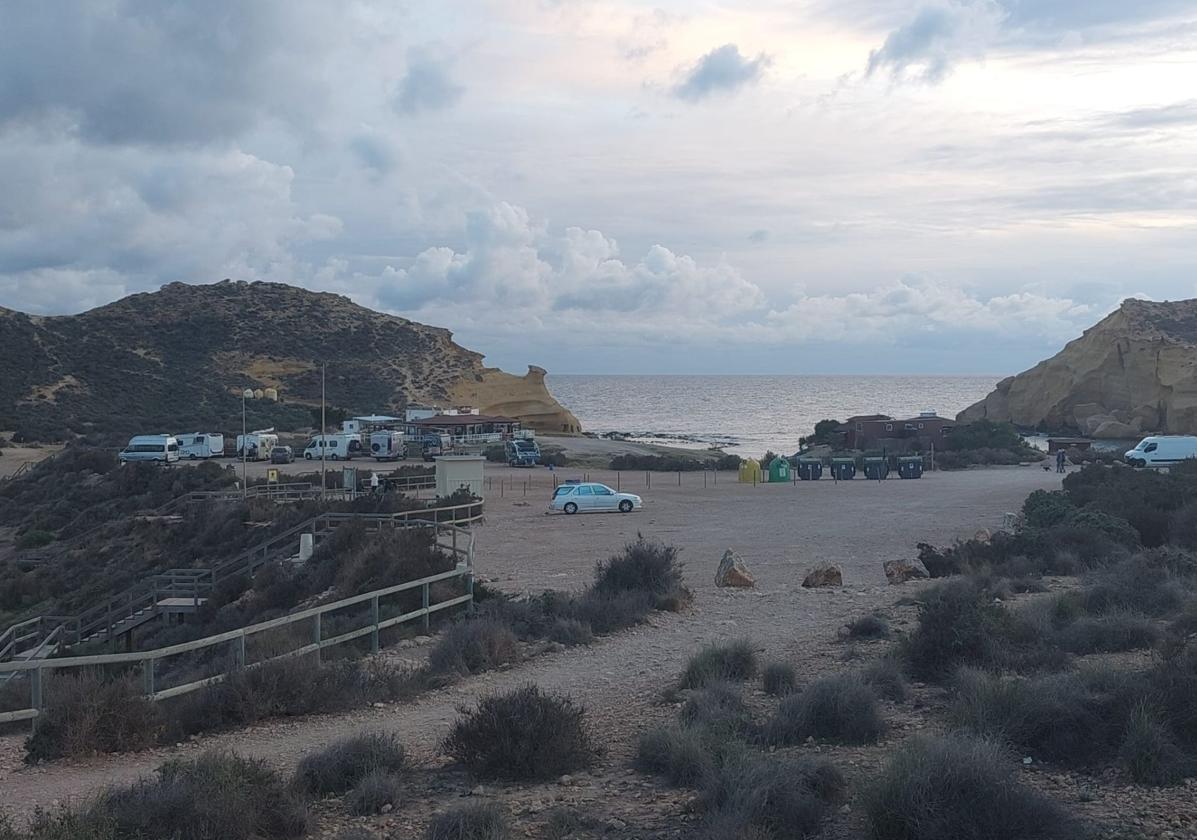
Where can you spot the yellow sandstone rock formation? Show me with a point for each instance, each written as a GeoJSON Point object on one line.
{"type": "Point", "coordinates": [1133, 373]}
{"type": "Point", "coordinates": [524, 397]}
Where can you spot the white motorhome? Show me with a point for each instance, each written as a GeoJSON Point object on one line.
{"type": "Point", "coordinates": [387, 445]}
{"type": "Point", "coordinates": [340, 447]}
{"type": "Point", "coordinates": [162, 448]}
{"type": "Point", "coordinates": [1162, 450]}
{"type": "Point", "coordinates": [200, 445]}
{"type": "Point", "coordinates": [258, 445]}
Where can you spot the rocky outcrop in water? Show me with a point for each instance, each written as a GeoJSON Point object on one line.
{"type": "Point", "coordinates": [1133, 373]}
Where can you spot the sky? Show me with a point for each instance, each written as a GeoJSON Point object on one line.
{"type": "Point", "coordinates": [607, 186]}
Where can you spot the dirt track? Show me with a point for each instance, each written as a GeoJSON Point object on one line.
{"type": "Point", "coordinates": [780, 530]}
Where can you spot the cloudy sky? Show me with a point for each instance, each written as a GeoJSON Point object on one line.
{"type": "Point", "coordinates": [610, 186]}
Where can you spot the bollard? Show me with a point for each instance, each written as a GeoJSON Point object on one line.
{"type": "Point", "coordinates": [679, 478]}
{"type": "Point", "coordinates": [648, 479]}
{"type": "Point", "coordinates": [616, 482]}
{"type": "Point", "coordinates": [704, 479]}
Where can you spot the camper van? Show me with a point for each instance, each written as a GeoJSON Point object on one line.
{"type": "Point", "coordinates": [200, 445]}
{"type": "Point", "coordinates": [522, 452]}
{"type": "Point", "coordinates": [162, 448]}
{"type": "Point", "coordinates": [387, 445]}
{"type": "Point", "coordinates": [258, 445]}
{"type": "Point", "coordinates": [341, 447]}
{"type": "Point", "coordinates": [1162, 450]}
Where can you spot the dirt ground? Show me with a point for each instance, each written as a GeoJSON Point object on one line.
{"type": "Point", "coordinates": [12, 458]}
{"type": "Point", "coordinates": [780, 531]}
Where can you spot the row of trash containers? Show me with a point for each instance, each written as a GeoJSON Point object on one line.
{"type": "Point", "coordinates": [844, 469]}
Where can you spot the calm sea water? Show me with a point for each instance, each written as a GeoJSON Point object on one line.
{"type": "Point", "coordinates": [749, 414]}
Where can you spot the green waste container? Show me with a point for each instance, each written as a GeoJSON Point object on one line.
{"type": "Point", "coordinates": [810, 469]}
{"type": "Point", "coordinates": [843, 469]}
{"type": "Point", "coordinates": [910, 466]}
{"type": "Point", "coordinates": [876, 468]}
{"type": "Point", "coordinates": [779, 470]}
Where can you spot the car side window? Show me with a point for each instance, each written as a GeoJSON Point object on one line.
{"type": "Point", "coordinates": [603, 491]}
{"type": "Point", "coordinates": [1151, 447]}
{"type": "Point", "coordinates": [564, 491]}
{"type": "Point", "coordinates": [585, 491]}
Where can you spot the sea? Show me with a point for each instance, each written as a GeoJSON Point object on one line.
{"type": "Point", "coordinates": [748, 415]}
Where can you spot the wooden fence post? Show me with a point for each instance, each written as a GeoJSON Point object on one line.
{"type": "Point", "coordinates": [424, 599]}
{"type": "Point", "coordinates": [147, 677]}
{"type": "Point", "coordinates": [374, 621]}
{"type": "Point", "coordinates": [316, 634]}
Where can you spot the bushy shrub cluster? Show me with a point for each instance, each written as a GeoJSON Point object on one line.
{"type": "Point", "coordinates": [729, 662]}
{"type": "Point", "coordinates": [672, 463]}
{"type": "Point", "coordinates": [840, 708]}
{"type": "Point", "coordinates": [524, 734]}
{"type": "Point", "coordinates": [217, 795]}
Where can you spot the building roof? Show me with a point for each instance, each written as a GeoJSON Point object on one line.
{"type": "Point", "coordinates": [461, 420]}
{"type": "Point", "coordinates": [377, 418]}
{"type": "Point", "coordinates": [861, 418]}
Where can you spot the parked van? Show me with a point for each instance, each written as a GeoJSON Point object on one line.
{"type": "Point", "coordinates": [258, 444]}
{"type": "Point", "coordinates": [163, 448]}
{"type": "Point", "coordinates": [200, 445]}
{"type": "Point", "coordinates": [387, 445]}
{"type": "Point", "coordinates": [1162, 450]}
{"type": "Point", "coordinates": [334, 447]}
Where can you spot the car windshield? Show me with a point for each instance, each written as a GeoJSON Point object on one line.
{"type": "Point", "coordinates": [1142, 445]}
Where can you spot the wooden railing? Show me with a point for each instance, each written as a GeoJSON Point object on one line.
{"type": "Point", "coordinates": [103, 620]}
{"type": "Point", "coordinates": [147, 661]}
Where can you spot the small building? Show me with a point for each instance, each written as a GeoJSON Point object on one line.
{"type": "Point", "coordinates": [879, 431]}
{"type": "Point", "coordinates": [1055, 444]}
{"type": "Point", "coordinates": [459, 472]}
{"type": "Point", "coordinates": [465, 428]}
{"type": "Point", "coordinates": [414, 411]}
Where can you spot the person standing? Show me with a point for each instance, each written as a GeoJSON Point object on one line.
{"type": "Point", "coordinates": [1060, 460]}
{"type": "Point", "coordinates": [373, 483]}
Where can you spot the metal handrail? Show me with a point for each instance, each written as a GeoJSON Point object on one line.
{"type": "Point", "coordinates": [147, 659]}
{"type": "Point", "coordinates": [145, 595]}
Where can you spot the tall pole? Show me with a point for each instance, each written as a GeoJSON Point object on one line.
{"type": "Point", "coordinates": [323, 426]}
{"type": "Point", "coordinates": [244, 448]}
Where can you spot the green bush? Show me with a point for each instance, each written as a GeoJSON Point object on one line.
{"type": "Point", "coordinates": [343, 764]}
{"type": "Point", "coordinates": [729, 662]}
{"type": "Point", "coordinates": [779, 679]}
{"type": "Point", "coordinates": [373, 792]}
{"type": "Point", "coordinates": [88, 713]}
{"type": "Point", "coordinates": [680, 755]}
{"type": "Point", "coordinates": [1044, 508]}
{"type": "Point", "coordinates": [34, 538]}
{"type": "Point", "coordinates": [782, 797]}
{"type": "Point", "coordinates": [472, 646]}
{"type": "Point", "coordinates": [524, 734]}
{"type": "Point", "coordinates": [479, 821]}
{"type": "Point", "coordinates": [955, 788]}
{"type": "Point", "coordinates": [840, 708]}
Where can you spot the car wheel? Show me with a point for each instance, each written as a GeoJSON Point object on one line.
{"type": "Point", "coordinates": [625, 506]}
{"type": "Point", "coordinates": [307, 456]}
{"type": "Point", "coordinates": [570, 508]}
{"type": "Point", "coordinates": [192, 457]}
{"type": "Point", "coordinates": [334, 457]}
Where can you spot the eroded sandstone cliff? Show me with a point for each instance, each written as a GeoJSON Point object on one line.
{"type": "Point", "coordinates": [1134, 372]}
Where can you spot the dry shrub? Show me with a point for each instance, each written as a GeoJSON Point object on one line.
{"type": "Point", "coordinates": [473, 646]}
{"type": "Point", "coordinates": [524, 734]}
{"type": "Point", "coordinates": [88, 713]}
{"type": "Point", "coordinates": [340, 766]}
{"type": "Point", "coordinates": [840, 708]}
{"type": "Point", "coordinates": [481, 821]}
{"type": "Point", "coordinates": [779, 679]}
{"type": "Point", "coordinates": [373, 792]}
{"type": "Point", "coordinates": [729, 662]}
{"type": "Point", "coordinates": [780, 797]}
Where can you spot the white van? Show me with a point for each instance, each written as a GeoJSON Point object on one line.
{"type": "Point", "coordinates": [200, 445]}
{"type": "Point", "coordinates": [387, 445]}
{"type": "Point", "coordinates": [334, 447]}
{"type": "Point", "coordinates": [260, 445]}
{"type": "Point", "coordinates": [163, 448]}
{"type": "Point", "coordinates": [1162, 450]}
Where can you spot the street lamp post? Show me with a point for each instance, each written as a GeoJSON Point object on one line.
{"type": "Point", "coordinates": [245, 395]}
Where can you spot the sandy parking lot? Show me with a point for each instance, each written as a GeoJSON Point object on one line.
{"type": "Point", "coordinates": [779, 529]}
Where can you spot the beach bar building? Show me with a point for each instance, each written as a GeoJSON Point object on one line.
{"type": "Point", "coordinates": [466, 428]}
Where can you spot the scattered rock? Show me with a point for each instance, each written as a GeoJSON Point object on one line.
{"type": "Point", "coordinates": [821, 576]}
{"type": "Point", "coordinates": [477, 790]}
{"type": "Point", "coordinates": [900, 571]}
{"type": "Point", "coordinates": [732, 572]}
{"type": "Point", "coordinates": [983, 536]}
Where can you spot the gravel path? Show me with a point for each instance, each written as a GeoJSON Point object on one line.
{"type": "Point", "coordinates": [780, 530]}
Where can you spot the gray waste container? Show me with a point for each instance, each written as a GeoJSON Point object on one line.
{"type": "Point", "coordinates": [876, 468]}
{"type": "Point", "coordinates": [810, 469]}
{"type": "Point", "coordinates": [843, 468]}
{"type": "Point", "coordinates": [910, 467]}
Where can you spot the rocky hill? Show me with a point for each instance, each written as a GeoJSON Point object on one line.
{"type": "Point", "coordinates": [175, 360]}
{"type": "Point", "coordinates": [1132, 373]}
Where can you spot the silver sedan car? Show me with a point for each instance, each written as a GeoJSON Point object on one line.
{"type": "Point", "coordinates": [589, 498]}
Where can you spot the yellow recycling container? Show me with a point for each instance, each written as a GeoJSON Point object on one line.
{"type": "Point", "coordinates": [750, 471]}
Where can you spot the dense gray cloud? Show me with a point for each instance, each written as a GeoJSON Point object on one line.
{"type": "Point", "coordinates": [428, 85]}
{"type": "Point", "coordinates": [160, 71]}
{"type": "Point", "coordinates": [721, 70]}
{"type": "Point", "coordinates": [939, 35]}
